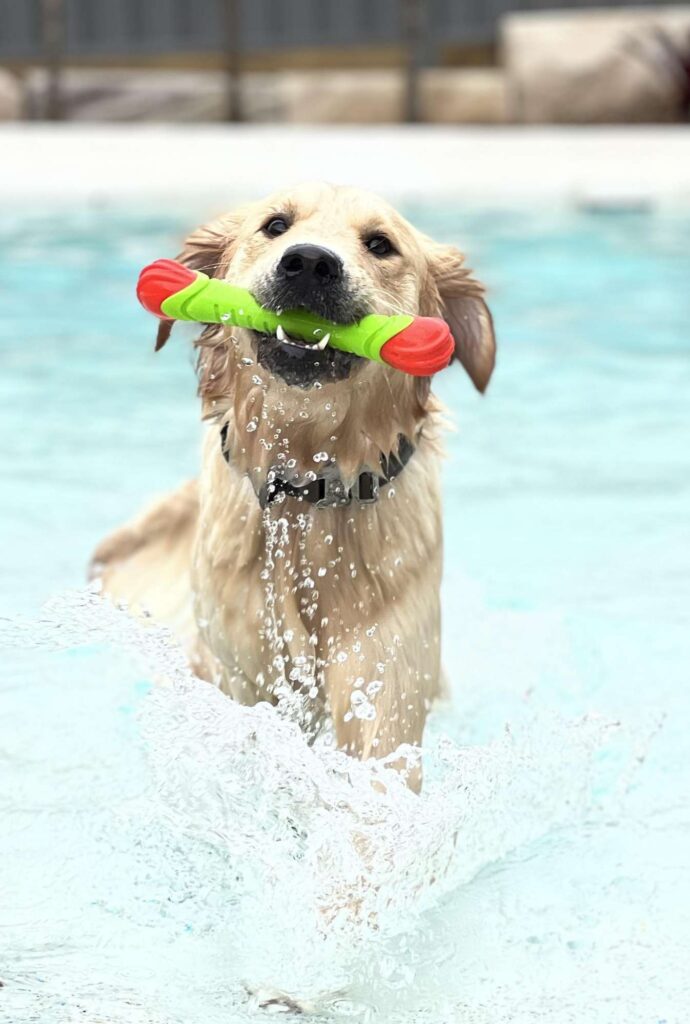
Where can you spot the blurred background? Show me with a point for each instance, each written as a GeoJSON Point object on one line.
{"type": "Point", "coordinates": [330, 61]}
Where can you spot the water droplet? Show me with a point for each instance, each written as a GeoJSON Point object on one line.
{"type": "Point", "coordinates": [361, 707]}
{"type": "Point", "coordinates": [252, 425]}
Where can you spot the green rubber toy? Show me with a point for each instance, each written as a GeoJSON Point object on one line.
{"type": "Point", "coordinates": [414, 344]}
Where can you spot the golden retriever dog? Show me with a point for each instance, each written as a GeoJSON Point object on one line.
{"type": "Point", "coordinates": [304, 566]}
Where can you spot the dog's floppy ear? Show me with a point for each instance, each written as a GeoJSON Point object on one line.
{"type": "Point", "coordinates": [208, 249]}
{"type": "Point", "coordinates": [452, 292]}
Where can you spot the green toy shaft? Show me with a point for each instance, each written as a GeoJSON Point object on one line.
{"type": "Point", "coordinates": [209, 300]}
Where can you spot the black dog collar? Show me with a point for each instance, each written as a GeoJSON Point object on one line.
{"type": "Point", "coordinates": [327, 490]}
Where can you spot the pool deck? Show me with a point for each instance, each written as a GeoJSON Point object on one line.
{"type": "Point", "coordinates": [601, 166]}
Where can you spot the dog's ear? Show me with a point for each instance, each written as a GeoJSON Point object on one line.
{"type": "Point", "coordinates": [208, 249]}
{"type": "Point", "coordinates": [451, 292]}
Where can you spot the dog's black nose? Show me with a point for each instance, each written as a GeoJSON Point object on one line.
{"type": "Point", "coordinates": [310, 264]}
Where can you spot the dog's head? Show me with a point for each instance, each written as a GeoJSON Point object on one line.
{"type": "Point", "coordinates": [340, 253]}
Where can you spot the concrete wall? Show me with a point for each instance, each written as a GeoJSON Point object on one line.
{"type": "Point", "coordinates": [597, 66]}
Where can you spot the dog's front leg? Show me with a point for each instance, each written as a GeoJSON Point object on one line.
{"type": "Point", "coordinates": [382, 679]}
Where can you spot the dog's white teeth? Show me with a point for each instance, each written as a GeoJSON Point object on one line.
{"type": "Point", "coordinates": [285, 340]}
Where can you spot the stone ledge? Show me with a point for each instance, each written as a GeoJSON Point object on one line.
{"type": "Point", "coordinates": [208, 167]}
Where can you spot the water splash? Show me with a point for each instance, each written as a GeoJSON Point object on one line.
{"type": "Point", "coordinates": [331, 863]}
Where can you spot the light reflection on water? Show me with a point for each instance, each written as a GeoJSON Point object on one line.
{"type": "Point", "coordinates": [144, 887]}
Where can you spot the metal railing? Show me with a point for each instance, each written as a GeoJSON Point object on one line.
{"type": "Point", "coordinates": [52, 32]}
{"type": "Point", "coordinates": [128, 28]}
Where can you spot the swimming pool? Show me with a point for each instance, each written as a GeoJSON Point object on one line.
{"type": "Point", "coordinates": [157, 868]}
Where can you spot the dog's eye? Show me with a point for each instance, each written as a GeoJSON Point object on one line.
{"type": "Point", "coordinates": [379, 245]}
{"type": "Point", "coordinates": [275, 226]}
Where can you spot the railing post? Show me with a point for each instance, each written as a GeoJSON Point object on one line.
{"type": "Point", "coordinates": [53, 40]}
{"type": "Point", "coordinates": [414, 29]}
{"type": "Point", "coordinates": [231, 18]}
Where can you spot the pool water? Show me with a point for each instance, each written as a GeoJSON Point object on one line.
{"type": "Point", "coordinates": [164, 853]}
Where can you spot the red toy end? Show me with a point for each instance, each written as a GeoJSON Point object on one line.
{"type": "Point", "coordinates": [159, 281]}
{"type": "Point", "coordinates": [421, 349]}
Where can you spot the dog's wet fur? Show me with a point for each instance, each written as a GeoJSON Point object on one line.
{"type": "Point", "coordinates": [201, 560]}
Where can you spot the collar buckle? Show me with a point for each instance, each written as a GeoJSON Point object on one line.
{"type": "Point", "coordinates": [332, 492]}
{"type": "Point", "coordinates": [365, 489]}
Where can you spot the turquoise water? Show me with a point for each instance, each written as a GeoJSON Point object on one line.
{"type": "Point", "coordinates": [157, 867]}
